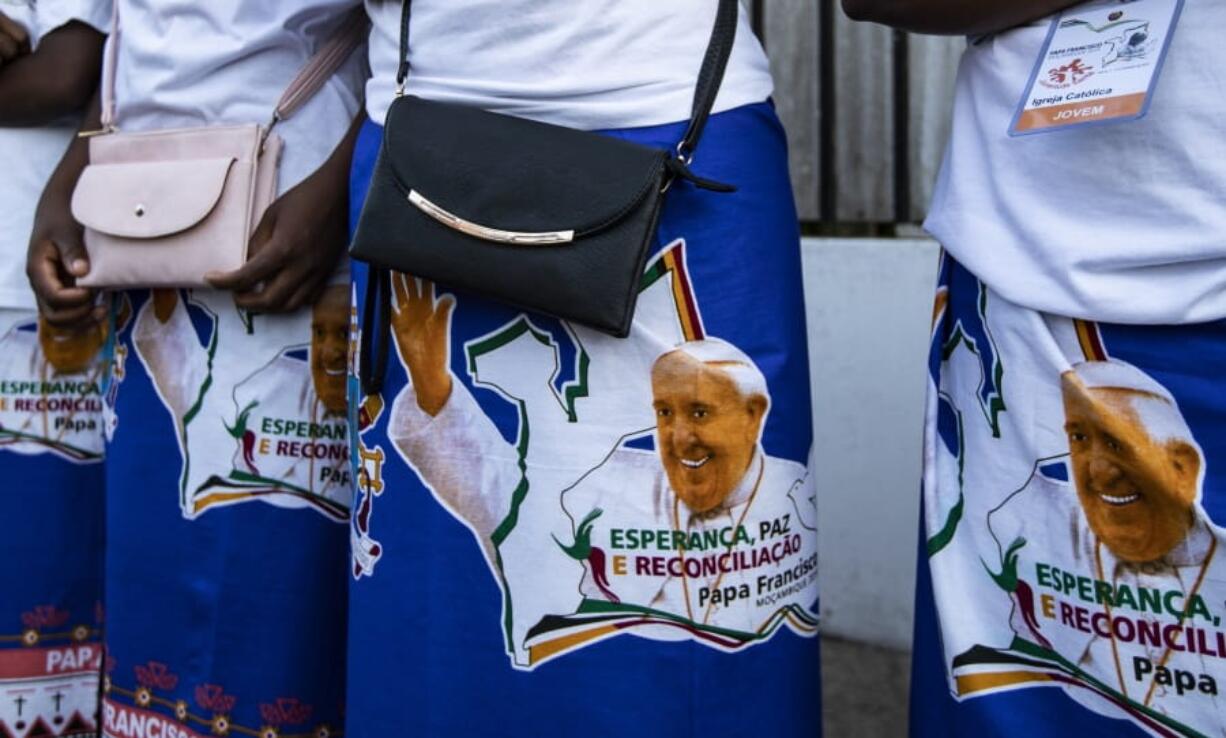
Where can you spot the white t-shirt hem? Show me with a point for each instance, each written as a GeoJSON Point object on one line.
{"type": "Point", "coordinates": [14, 298]}
{"type": "Point", "coordinates": [583, 64]}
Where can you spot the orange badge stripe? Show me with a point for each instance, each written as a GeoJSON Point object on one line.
{"type": "Point", "coordinates": [1124, 106]}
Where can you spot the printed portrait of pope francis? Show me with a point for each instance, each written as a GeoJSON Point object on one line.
{"type": "Point", "coordinates": [1107, 546]}
{"type": "Point", "coordinates": [703, 485]}
{"type": "Point", "coordinates": [221, 405]}
{"type": "Point", "coordinates": [36, 354]}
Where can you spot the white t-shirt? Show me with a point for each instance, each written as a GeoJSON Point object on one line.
{"type": "Point", "coordinates": [183, 63]}
{"type": "Point", "coordinates": [587, 64]}
{"type": "Point", "coordinates": [1121, 223]}
{"type": "Point", "coordinates": [30, 154]}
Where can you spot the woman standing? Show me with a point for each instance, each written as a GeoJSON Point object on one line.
{"type": "Point", "coordinates": [51, 385]}
{"type": "Point", "coordinates": [227, 473]}
{"type": "Point", "coordinates": [559, 532]}
{"type": "Point", "coordinates": [1074, 491]}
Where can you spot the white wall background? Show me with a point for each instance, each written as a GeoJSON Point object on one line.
{"type": "Point", "coordinates": [869, 311]}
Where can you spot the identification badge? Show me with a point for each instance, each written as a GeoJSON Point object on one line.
{"type": "Point", "coordinates": [1099, 64]}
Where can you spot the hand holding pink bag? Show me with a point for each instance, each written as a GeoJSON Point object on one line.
{"type": "Point", "coordinates": [164, 208]}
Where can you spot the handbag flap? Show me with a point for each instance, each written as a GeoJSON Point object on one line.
{"type": "Point", "coordinates": [515, 175]}
{"type": "Point", "coordinates": [149, 199]}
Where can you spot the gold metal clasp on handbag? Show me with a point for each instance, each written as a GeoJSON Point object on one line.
{"type": "Point", "coordinates": [98, 132]}
{"type": "Point", "coordinates": [456, 223]}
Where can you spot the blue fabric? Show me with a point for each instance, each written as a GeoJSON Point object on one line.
{"type": "Point", "coordinates": [935, 713]}
{"type": "Point", "coordinates": [1013, 364]}
{"type": "Point", "coordinates": [429, 650]}
{"type": "Point", "coordinates": [51, 426]}
{"type": "Point", "coordinates": [228, 616]}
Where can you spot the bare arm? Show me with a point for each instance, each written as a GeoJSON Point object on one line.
{"type": "Point", "coordinates": [299, 241]}
{"type": "Point", "coordinates": [56, 79]}
{"type": "Point", "coordinates": [56, 255]}
{"type": "Point", "coordinates": [953, 17]}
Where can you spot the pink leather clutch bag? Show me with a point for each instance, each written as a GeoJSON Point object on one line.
{"type": "Point", "coordinates": [163, 208]}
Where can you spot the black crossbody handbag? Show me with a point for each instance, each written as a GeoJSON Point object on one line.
{"type": "Point", "coordinates": [546, 218]}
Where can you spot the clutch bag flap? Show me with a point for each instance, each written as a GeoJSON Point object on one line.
{"type": "Point", "coordinates": [146, 200]}
{"type": "Point", "coordinates": [510, 175]}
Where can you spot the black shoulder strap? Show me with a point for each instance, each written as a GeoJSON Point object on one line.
{"type": "Point", "coordinates": [710, 76]}
{"type": "Point", "coordinates": [402, 73]}
{"type": "Point", "coordinates": [372, 356]}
